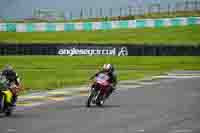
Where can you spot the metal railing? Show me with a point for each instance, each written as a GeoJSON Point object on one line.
{"type": "Point", "coordinates": [145, 11]}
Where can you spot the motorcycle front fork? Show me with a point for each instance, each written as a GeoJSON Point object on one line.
{"type": "Point", "coordinates": [97, 95]}
{"type": "Point", "coordinates": [2, 98]}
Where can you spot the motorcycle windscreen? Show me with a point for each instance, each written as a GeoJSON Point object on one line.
{"type": "Point", "coordinates": [102, 79]}
{"type": "Point", "coordinates": [9, 95]}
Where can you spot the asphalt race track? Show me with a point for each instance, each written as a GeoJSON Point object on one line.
{"type": "Point", "coordinates": [168, 106]}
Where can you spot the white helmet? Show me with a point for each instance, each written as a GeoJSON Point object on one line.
{"type": "Point", "coordinates": [8, 67]}
{"type": "Point", "coordinates": [107, 67]}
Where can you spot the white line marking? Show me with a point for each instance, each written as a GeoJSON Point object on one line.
{"type": "Point", "coordinates": [141, 130]}
{"type": "Point", "coordinates": [128, 86]}
{"type": "Point", "coordinates": [12, 130]}
{"type": "Point", "coordinates": [148, 83]}
{"type": "Point", "coordinates": [183, 131]}
{"type": "Point", "coordinates": [177, 76]}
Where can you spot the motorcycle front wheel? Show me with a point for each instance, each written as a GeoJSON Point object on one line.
{"type": "Point", "coordinates": [8, 111]}
{"type": "Point", "coordinates": [92, 94]}
{"type": "Point", "coordinates": [100, 100]}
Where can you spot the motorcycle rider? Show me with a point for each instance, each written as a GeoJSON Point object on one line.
{"type": "Point", "coordinates": [110, 70]}
{"type": "Point", "coordinates": [12, 77]}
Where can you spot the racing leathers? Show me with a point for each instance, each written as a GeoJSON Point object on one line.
{"type": "Point", "coordinates": [112, 80]}
{"type": "Point", "coordinates": [12, 77]}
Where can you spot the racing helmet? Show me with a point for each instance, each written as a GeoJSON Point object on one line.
{"type": "Point", "coordinates": [8, 67]}
{"type": "Point", "coordinates": [108, 67]}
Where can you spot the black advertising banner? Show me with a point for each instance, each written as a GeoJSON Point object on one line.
{"type": "Point", "coordinates": [93, 50]}
{"type": "Point", "coordinates": [98, 50]}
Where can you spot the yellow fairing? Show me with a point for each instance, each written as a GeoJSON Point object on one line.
{"type": "Point", "coordinates": [9, 95]}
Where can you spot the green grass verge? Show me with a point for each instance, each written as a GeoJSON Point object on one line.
{"type": "Point", "coordinates": [49, 72]}
{"type": "Point", "coordinates": [183, 35]}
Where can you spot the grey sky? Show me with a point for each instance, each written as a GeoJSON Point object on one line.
{"type": "Point", "coordinates": [24, 8]}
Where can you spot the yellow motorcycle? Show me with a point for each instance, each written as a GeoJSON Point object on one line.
{"type": "Point", "coordinates": [6, 96]}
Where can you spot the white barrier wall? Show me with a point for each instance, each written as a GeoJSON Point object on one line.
{"type": "Point", "coordinates": [106, 25]}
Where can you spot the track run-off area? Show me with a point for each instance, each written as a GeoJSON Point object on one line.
{"type": "Point", "coordinates": [169, 104]}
